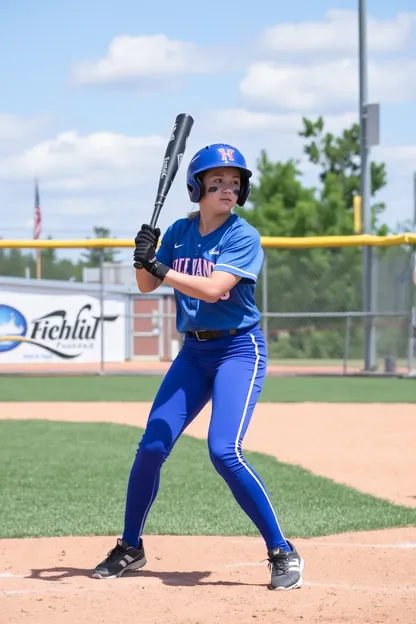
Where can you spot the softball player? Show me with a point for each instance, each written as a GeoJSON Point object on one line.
{"type": "Point", "coordinates": [212, 259]}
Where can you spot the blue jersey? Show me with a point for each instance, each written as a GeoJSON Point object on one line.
{"type": "Point", "coordinates": [234, 247]}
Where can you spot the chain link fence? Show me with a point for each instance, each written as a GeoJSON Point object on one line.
{"type": "Point", "coordinates": [312, 301]}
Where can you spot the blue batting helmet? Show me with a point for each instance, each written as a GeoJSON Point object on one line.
{"type": "Point", "coordinates": [217, 155]}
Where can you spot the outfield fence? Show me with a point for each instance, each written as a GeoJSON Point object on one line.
{"type": "Point", "coordinates": [310, 294]}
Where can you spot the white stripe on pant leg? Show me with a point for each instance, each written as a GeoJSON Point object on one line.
{"type": "Point", "coordinates": [152, 499]}
{"type": "Point", "coordinates": [239, 452]}
{"type": "Point", "coordinates": [146, 513]}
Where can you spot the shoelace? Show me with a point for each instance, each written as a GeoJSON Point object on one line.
{"type": "Point", "coordinates": [114, 552]}
{"type": "Point", "coordinates": [279, 566]}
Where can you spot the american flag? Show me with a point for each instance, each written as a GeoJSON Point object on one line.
{"type": "Point", "coordinates": [38, 217]}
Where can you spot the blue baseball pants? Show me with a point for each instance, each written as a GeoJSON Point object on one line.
{"type": "Point", "coordinates": [230, 371]}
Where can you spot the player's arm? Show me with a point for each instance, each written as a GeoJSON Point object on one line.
{"type": "Point", "coordinates": [146, 282]}
{"type": "Point", "coordinates": [240, 259]}
{"type": "Point", "coordinates": [208, 289]}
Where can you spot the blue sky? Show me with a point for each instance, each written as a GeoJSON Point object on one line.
{"type": "Point", "coordinates": [90, 93]}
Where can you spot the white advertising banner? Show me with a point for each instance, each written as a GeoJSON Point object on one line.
{"type": "Point", "coordinates": [59, 328]}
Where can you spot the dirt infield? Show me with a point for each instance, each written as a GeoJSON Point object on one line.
{"type": "Point", "coordinates": [349, 578]}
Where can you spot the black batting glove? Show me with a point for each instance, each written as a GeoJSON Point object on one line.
{"type": "Point", "coordinates": [145, 257]}
{"type": "Point", "coordinates": [146, 234]}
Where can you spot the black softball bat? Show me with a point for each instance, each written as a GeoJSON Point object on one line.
{"type": "Point", "coordinates": [171, 161]}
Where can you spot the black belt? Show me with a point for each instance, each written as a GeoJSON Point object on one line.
{"type": "Point", "coordinates": [207, 334]}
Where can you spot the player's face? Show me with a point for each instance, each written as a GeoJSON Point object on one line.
{"type": "Point", "coordinates": [221, 189]}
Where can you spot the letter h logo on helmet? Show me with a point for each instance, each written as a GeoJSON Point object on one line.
{"type": "Point", "coordinates": [226, 154]}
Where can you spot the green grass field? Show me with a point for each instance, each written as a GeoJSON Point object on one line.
{"type": "Point", "coordinates": [70, 479]}
{"type": "Point", "coordinates": [143, 388]}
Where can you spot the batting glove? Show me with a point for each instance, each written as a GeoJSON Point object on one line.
{"type": "Point", "coordinates": [146, 234]}
{"type": "Point", "coordinates": [149, 234]}
{"type": "Point", "coordinates": [145, 257]}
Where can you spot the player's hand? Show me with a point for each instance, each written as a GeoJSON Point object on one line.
{"type": "Point", "coordinates": [146, 234]}
{"type": "Point", "coordinates": [144, 251]}
{"type": "Point", "coordinates": [145, 257]}
{"type": "Point", "coordinates": [149, 234]}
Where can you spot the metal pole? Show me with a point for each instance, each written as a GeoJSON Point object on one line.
{"type": "Point", "coordinates": [412, 320]}
{"type": "Point", "coordinates": [365, 183]}
{"type": "Point", "coordinates": [102, 354]}
{"type": "Point", "coordinates": [129, 327]}
{"type": "Point", "coordinates": [265, 299]}
{"type": "Point", "coordinates": [347, 344]}
{"type": "Point", "coordinates": [160, 329]}
{"type": "Point", "coordinates": [414, 201]}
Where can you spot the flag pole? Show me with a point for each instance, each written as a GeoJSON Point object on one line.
{"type": "Point", "coordinates": [37, 228]}
{"type": "Point", "coordinates": [38, 264]}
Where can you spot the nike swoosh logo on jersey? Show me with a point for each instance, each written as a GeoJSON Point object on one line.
{"type": "Point", "coordinates": [181, 245]}
{"type": "Point", "coordinates": [214, 251]}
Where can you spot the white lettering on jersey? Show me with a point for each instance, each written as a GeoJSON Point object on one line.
{"type": "Point", "coordinates": [196, 266]}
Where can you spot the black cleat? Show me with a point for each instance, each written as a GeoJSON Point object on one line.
{"type": "Point", "coordinates": [121, 558]}
{"type": "Point", "coordinates": [285, 568]}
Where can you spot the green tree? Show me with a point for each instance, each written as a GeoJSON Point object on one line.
{"type": "Point", "coordinates": [49, 254]}
{"type": "Point", "coordinates": [59, 269]}
{"type": "Point", "coordinates": [338, 159]}
{"type": "Point", "coordinates": [281, 205]}
{"type": "Point", "coordinates": [315, 280]}
{"type": "Point", "coordinates": [92, 256]}
{"type": "Point", "coordinates": [2, 259]}
{"type": "Point", "coordinates": [14, 263]}
{"type": "Point", "coordinates": [49, 262]}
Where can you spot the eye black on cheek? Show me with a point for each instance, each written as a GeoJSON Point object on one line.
{"type": "Point", "coordinates": [212, 189]}
{"type": "Point", "coordinates": [237, 192]}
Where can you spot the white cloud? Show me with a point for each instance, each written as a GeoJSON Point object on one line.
{"type": "Point", "coordinates": [74, 162]}
{"type": "Point", "coordinates": [252, 130]}
{"type": "Point", "coordinates": [110, 179]}
{"type": "Point", "coordinates": [326, 77]}
{"type": "Point", "coordinates": [338, 33]}
{"type": "Point", "coordinates": [327, 86]}
{"type": "Point", "coordinates": [145, 60]}
{"type": "Point", "coordinates": [16, 127]}
{"type": "Point", "coordinates": [247, 121]}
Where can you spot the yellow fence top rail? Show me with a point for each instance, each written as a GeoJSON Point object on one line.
{"type": "Point", "coordinates": [283, 242]}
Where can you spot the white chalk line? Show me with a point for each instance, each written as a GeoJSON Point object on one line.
{"type": "Point", "coordinates": [346, 545]}
{"type": "Point", "coordinates": [408, 546]}
{"type": "Point", "coordinates": [351, 545]}
{"type": "Point", "coordinates": [408, 588]}
{"type": "Point", "coordinates": [96, 585]}
{"type": "Point", "coordinates": [311, 543]}
{"type": "Point", "coordinates": [374, 588]}
{"type": "Point", "coordinates": [143, 583]}
{"type": "Point", "coordinates": [103, 586]}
